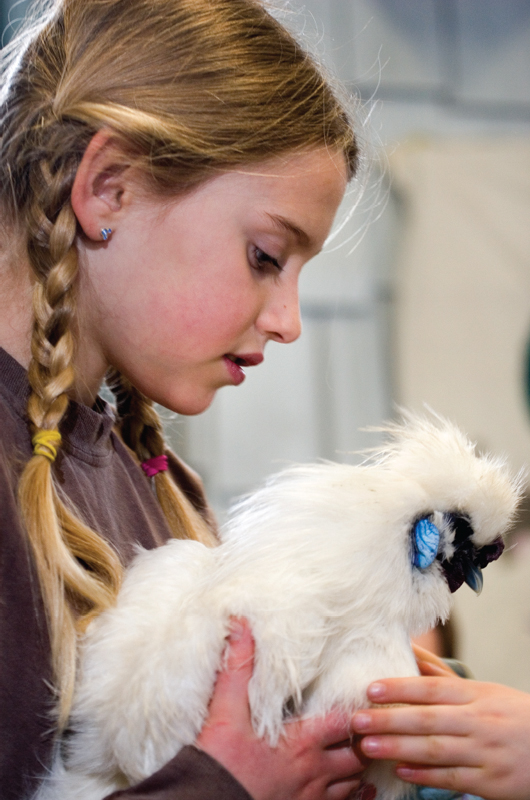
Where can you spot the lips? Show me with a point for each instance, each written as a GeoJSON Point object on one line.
{"type": "Point", "coordinates": [247, 360]}
{"type": "Point", "coordinates": [235, 363]}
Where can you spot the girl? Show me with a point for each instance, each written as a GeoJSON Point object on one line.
{"type": "Point", "coordinates": [166, 169]}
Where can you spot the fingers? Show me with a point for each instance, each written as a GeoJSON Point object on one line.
{"type": "Point", "coordinates": [431, 664]}
{"type": "Point", "coordinates": [426, 750]}
{"type": "Point", "coordinates": [429, 669]}
{"type": "Point", "coordinates": [337, 767]}
{"type": "Point", "coordinates": [344, 765]}
{"type": "Point", "coordinates": [331, 730]}
{"type": "Point", "coordinates": [239, 654]}
{"type": "Point", "coordinates": [426, 656]}
{"type": "Point", "coordinates": [456, 779]}
{"type": "Point", "coordinates": [423, 690]}
{"type": "Point", "coordinates": [344, 761]}
{"type": "Point", "coordinates": [230, 696]}
{"type": "Point", "coordinates": [418, 720]}
{"type": "Point", "coordinates": [333, 736]}
{"type": "Point", "coordinates": [341, 790]}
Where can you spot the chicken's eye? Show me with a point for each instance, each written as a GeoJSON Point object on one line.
{"type": "Point", "coordinates": [461, 527]}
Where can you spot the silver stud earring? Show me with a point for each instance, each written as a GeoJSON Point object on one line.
{"type": "Point", "coordinates": [105, 232]}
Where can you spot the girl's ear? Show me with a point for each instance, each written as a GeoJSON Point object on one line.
{"type": "Point", "coordinates": [100, 188]}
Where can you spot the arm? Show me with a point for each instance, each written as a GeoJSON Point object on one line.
{"type": "Point", "coordinates": [229, 761]}
{"type": "Point", "coordinates": [456, 734]}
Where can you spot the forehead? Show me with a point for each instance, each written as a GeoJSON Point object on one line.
{"type": "Point", "coordinates": [299, 192]}
{"type": "Point", "coordinates": [322, 171]}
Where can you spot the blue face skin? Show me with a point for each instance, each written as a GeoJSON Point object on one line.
{"type": "Point", "coordinates": [426, 540]}
{"type": "Point", "coordinates": [466, 563]}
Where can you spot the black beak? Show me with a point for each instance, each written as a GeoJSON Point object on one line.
{"type": "Point", "coordinates": [474, 578]}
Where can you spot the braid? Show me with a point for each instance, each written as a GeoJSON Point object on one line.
{"type": "Point", "coordinates": [78, 572]}
{"type": "Point", "coordinates": [141, 430]}
{"type": "Point", "coordinates": [54, 261]}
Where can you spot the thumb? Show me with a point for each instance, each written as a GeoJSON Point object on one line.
{"type": "Point", "coordinates": [428, 668]}
{"type": "Point", "coordinates": [230, 696]}
{"type": "Point", "coordinates": [239, 654]}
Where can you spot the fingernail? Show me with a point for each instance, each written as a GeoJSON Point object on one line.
{"type": "Point", "coordinates": [405, 772]}
{"type": "Point", "coordinates": [370, 746]}
{"type": "Point", "coordinates": [361, 721]}
{"type": "Point", "coordinates": [376, 690]}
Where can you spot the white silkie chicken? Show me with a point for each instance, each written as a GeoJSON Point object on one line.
{"type": "Point", "coordinates": [335, 567]}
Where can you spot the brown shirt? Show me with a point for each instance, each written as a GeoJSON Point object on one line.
{"type": "Point", "coordinates": [111, 493]}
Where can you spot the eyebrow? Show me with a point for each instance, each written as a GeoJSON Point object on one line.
{"type": "Point", "coordinates": [285, 224]}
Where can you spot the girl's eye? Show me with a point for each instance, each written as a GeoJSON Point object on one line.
{"type": "Point", "coordinates": [263, 262]}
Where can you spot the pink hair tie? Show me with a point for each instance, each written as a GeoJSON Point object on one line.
{"type": "Point", "coordinates": [154, 465]}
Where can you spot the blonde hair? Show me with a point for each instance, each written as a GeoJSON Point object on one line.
{"type": "Point", "coordinates": [189, 88]}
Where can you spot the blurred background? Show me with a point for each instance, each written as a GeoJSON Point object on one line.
{"type": "Point", "coordinates": [422, 296]}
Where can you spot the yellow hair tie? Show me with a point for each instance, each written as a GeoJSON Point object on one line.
{"type": "Point", "coordinates": [45, 443]}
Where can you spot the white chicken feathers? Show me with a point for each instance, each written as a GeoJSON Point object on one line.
{"type": "Point", "coordinates": [320, 561]}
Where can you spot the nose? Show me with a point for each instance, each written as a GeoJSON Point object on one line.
{"type": "Point", "coordinates": [279, 319]}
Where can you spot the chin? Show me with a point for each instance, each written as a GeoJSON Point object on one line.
{"type": "Point", "coordinates": [174, 389]}
{"type": "Point", "coordinates": [188, 406]}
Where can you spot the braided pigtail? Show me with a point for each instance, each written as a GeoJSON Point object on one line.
{"type": "Point", "coordinates": [79, 573]}
{"type": "Point", "coordinates": [141, 430]}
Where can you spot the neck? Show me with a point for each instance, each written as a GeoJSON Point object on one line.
{"type": "Point", "coordinates": [90, 362]}
{"type": "Point", "coordinates": [90, 372]}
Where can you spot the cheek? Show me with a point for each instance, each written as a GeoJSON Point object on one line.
{"type": "Point", "coordinates": [197, 320]}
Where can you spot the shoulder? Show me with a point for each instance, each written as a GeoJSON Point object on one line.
{"type": "Point", "coordinates": [15, 452]}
